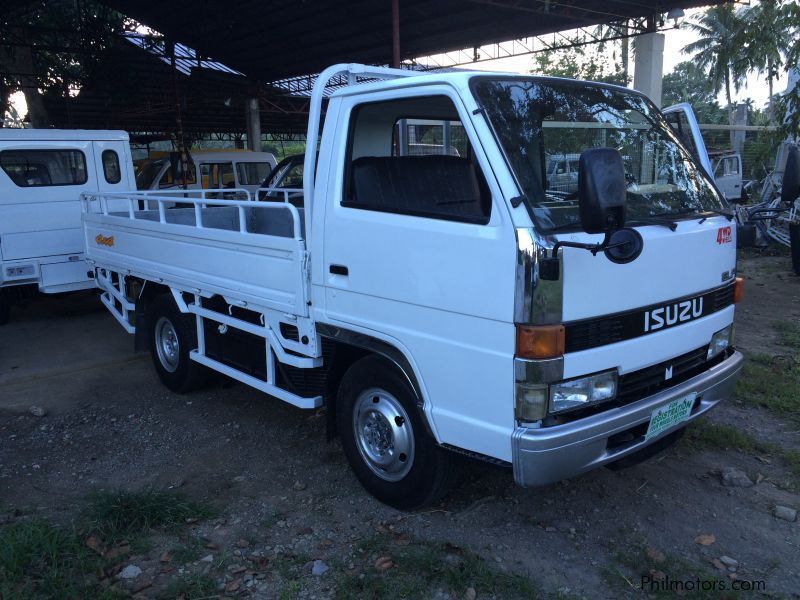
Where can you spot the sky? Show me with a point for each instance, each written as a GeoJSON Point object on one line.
{"type": "Point", "coordinates": [674, 40]}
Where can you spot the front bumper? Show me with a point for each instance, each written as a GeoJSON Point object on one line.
{"type": "Point", "coordinates": [547, 454]}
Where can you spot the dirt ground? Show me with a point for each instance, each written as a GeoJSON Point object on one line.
{"type": "Point", "coordinates": [285, 496]}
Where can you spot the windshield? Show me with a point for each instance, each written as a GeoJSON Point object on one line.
{"type": "Point", "coordinates": [544, 125]}
{"type": "Point", "coordinates": [147, 173]}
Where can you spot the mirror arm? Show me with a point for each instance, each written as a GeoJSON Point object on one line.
{"type": "Point", "coordinates": [593, 248]}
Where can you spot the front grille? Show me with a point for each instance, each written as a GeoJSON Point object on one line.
{"type": "Point", "coordinates": [591, 333]}
{"type": "Point", "coordinates": [645, 382]}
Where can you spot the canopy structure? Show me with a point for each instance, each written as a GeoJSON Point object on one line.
{"type": "Point", "coordinates": [269, 40]}
{"type": "Point", "coordinates": [247, 65]}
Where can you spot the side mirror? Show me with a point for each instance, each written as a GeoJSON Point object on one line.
{"type": "Point", "coordinates": [601, 190]}
{"type": "Point", "coordinates": [790, 188]}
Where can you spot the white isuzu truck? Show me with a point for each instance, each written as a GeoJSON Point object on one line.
{"type": "Point", "coordinates": [42, 175]}
{"type": "Point", "coordinates": [442, 304]}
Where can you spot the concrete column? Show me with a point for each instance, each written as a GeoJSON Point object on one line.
{"type": "Point", "coordinates": [740, 118]}
{"type": "Point", "coordinates": [649, 65]}
{"type": "Point", "coordinates": [253, 115]}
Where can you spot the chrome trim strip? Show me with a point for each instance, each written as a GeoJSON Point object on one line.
{"type": "Point", "coordinates": [538, 371]}
{"type": "Point", "coordinates": [536, 301]}
{"type": "Point", "coordinates": [548, 454]}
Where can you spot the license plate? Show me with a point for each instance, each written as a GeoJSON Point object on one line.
{"type": "Point", "coordinates": [670, 415]}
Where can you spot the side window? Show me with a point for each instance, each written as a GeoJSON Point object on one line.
{"type": "Point", "coordinates": [42, 168]}
{"type": "Point", "coordinates": [111, 170]}
{"type": "Point", "coordinates": [413, 157]}
{"type": "Point", "coordinates": [217, 175]}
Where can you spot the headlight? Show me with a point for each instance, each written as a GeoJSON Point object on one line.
{"type": "Point", "coordinates": [720, 341]}
{"type": "Point", "coordinates": [577, 393]}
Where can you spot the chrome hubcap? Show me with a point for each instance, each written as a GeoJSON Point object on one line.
{"type": "Point", "coordinates": [167, 344]}
{"type": "Point", "coordinates": [384, 435]}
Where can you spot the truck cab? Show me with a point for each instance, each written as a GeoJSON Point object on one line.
{"type": "Point", "coordinates": [42, 174]}
{"type": "Point", "coordinates": [445, 303]}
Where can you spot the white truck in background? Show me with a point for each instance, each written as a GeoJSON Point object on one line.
{"type": "Point", "coordinates": [439, 304]}
{"type": "Point", "coordinates": [42, 174]}
{"type": "Point", "coordinates": [725, 168]}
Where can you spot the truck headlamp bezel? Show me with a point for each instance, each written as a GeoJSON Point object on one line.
{"type": "Point", "coordinates": [720, 341]}
{"type": "Point", "coordinates": [564, 396]}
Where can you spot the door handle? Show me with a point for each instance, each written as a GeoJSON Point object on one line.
{"type": "Point", "coordinates": [338, 270]}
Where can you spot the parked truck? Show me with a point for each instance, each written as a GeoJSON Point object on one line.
{"type": "Point", "coordinates": [42, 174]}
{"type": "Point", "coordinates": [442, 305]}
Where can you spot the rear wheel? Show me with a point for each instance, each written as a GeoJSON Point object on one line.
{"type": "Point", "coordinates": [385, 439]}
{"type": "Point", "coordinates": [172, 337]}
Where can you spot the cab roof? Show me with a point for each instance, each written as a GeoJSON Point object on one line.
{"type": "Point", "coordinates": [67, 135]}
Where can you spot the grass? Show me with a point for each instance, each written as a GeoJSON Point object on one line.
{"type": "Point", "coordinates": [421, 569]}
{"type": "Point", "coordinates": [630, 568]}
{"type": "Point", "coordinates": [290, 590]}
{"type": "Point", "coordinates": [117, 516]}
{"type": "Point", "coordinates": [726, 437]}
{"type": "Point", "coordinates": [772, 382]}
{"type": "Point", "coordinates": [41, 560]}
{"type": "Point", "coordinates": [191, 587]}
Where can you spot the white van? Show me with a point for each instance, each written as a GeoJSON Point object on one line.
{"type": "Point", "coordinates": [209, 170]}
{"type": "Point", "coordinates": [42, 174]}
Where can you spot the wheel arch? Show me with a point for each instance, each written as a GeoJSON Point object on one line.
{"type": "Point", "coordinates": [351, 346]}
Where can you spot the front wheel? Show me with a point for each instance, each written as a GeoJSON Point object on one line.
{"type": "Point", "coordinates": [172, 337]}
{"type": "Point", "coordinates": [385, 439]}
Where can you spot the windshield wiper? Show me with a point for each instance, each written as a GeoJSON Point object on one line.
{"type": "Point", "coordinates": [718, 211]}
{"type": "Point", "coordinates": [654, 220]}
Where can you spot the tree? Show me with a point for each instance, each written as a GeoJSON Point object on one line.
{"type": "Point", "coordinates": [720, 50]}
{"type": "Point", "coordinates": [689, 83]}
{"type": "Point", "coordinates": [69, 39]}
{"type": "Point", "coordinates": [577, 63]}
{"type": "Point", "coordinates": [789, 104]}
{"type": "Point", "coordinates": [767, 40]}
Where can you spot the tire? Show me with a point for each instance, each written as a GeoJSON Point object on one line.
{"type": "Point", "coordinates": [385, 440]}
{"type": "Point", "coordinates": [172, 336]}
{"type": "Point", "coordinates": [5, 308]}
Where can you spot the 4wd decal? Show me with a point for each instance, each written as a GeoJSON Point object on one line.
{"type": "Point", "coordinates": [103, 240]}
{"type": "Point", "coordinates": [725, 235]}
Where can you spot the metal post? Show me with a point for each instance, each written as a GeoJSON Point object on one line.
{"type": "Point", "coordinates": [253, 118]}
{"type": "Point", "coordinates": [178, 117]}
{"type": "Point", "coordinates": [396, 33]}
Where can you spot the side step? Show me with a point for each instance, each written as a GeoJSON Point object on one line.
{"type": "Point", "coordinates": [264, 386]}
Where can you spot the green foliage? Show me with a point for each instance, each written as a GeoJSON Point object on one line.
{"type": "Point", "coordinates": [39, 560]}
{"type": "Point", "coordinates": [191, 587]}
{"type": "Point", "coordinates": [283, 149]}
{"type": "Point", "coordinates": [579, 63]}
{"type": "Point", "coordinates": [689, 83]}
{"type": "Point", "coordinates": [719, 47]}
{"type": "Point", "coordinates": [420, 569]}
{"type": "Point", "coordinates": [69, 40]}
{"type": "Point", "coordinates": [119, 515]}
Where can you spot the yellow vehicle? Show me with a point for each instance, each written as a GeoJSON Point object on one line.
{"type": "Point", "coordinates": [222, 169]}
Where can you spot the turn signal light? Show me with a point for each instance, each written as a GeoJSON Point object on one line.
{"type": "Point", "coordinates": [738, 290]}
{"type": "Point", "coordinates": [537, 342]}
